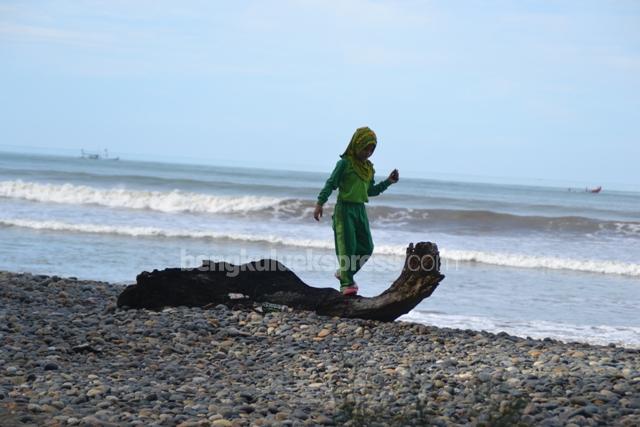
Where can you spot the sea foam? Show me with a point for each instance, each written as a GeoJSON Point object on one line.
{"type": "Point", "coordinates": [269, 207]}
{"type": "Point", "coordinates": [627, 336]}
{"type": "Point", "coordinates": [169, 201]}
{"type": "Point", "coordinates": [449, 256]}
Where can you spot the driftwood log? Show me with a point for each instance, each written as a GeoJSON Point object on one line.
{"type": "Point", "coordinates": [269, 281]}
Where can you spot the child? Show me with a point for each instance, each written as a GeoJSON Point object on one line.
{"type": "Point", "coordinates": [353, 176]}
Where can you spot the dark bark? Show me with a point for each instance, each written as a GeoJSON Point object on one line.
{"type": "Point", "coordinates": [269, 281]}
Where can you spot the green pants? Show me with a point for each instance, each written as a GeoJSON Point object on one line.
{"type": "Point", "coordinates": [353, 240]}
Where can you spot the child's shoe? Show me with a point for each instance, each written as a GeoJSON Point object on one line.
{"type": "Point", "coordinates": [351, 290]}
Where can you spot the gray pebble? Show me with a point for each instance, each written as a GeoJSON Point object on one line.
{"type": "Point", "coordinates": [184, 365]}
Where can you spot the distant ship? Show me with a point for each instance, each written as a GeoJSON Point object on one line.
{"type": "Point", "coordinates": [593, 190]}
{"type": "Point", "coordinates": [588, 190]}
{"type": "Point", "coordinates": [97, 156]}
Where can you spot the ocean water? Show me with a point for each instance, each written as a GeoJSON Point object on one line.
{"type": "Point", "coordinates": [531, 261]}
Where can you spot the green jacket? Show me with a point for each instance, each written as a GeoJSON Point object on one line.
{"type": "Point", "coordinates": [351, 187]}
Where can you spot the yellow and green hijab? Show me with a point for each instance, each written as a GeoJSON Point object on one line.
{"type": "Point", "coordinates": [361, 139]}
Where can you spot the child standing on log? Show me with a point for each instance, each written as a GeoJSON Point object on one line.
{"type": "Point", "coordinates": [353, 177]}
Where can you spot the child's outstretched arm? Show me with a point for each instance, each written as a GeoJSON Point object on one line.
{"type": "Point", "coordinates": [376, 189]}
{"type": "Point", "coordinates": [332, 183]}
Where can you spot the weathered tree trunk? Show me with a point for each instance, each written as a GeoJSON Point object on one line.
{"type": "Point", "coordinates": [268, 280]}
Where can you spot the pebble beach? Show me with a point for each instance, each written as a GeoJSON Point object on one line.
{"type": "Point", "coordinates": [69, 356]}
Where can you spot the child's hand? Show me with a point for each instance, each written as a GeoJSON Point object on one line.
{"type": "Point", "coordinates": [394, 176]}
{"type": "Point", "coordinates": [317, 213]}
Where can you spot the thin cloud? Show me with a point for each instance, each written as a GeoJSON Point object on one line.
{"type": "Point", "coordinates": [628, 63]}
{"type": "Point", "coordinates": [39, 34]}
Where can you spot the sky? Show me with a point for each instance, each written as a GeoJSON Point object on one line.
{"type": "Point", "coordinates": [522, 90]}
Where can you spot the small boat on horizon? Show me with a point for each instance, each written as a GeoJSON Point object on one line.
{"type": "Point", "coordinates": [587, 189]}
{"type": "Point", "coordinates": [97, 156]}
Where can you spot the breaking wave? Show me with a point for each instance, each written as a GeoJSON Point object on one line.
{"type": "Point", "coordinates": [263, 207]}
{"type": "Point", "coordinates": [448, 255]}
{"type": "Point", "coordinates": [164, 201]}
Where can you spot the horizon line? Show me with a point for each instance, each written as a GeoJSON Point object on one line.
{"type": "Point", "coordinates": [219, 162]}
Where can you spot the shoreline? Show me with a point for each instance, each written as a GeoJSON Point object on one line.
{"type": "Point", "coordinates": [70, 357]}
